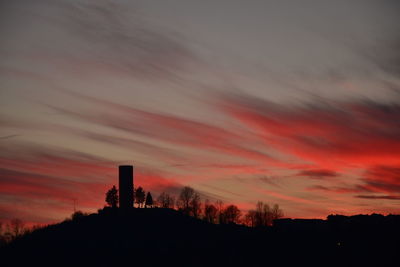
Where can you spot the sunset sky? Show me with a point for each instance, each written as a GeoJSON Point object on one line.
{"type": "Point", "coordinates": [289, 102]}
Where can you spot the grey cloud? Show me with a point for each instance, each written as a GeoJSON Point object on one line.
{"type": "Point", "coordinates": [84, 35]}
{"type": "Point", "coordinates": [342, 127]}
{"type": "Point", "coordinates": [388, 197]}
{"type": "Point", "coordinates": [273, 181]}
{"type": "Point", "coordinates": [8, 136]}
{"type": "Point", "coordinates": [164, 127]}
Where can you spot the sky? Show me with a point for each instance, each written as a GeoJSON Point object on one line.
{"type": "Point", "coordinates": [288, 102]}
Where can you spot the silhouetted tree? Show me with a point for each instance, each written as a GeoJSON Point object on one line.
{"type": "Point", "coordinates": [140, 196]}
{"type": "Point", "coordinates": [189, 202]}
{"type": "Point", "coordinates": [2, 238]}
{"type": "Point", "coordinates": [17, 227]}
{"type": "Point", "coordinates": [7, 236]}
{"type": "Point", "coordinates": [78, 215]}
{"type": "Point", "coordinates": [264, 215]}
{"type": "Point", "coordinates": [184, 199]}
{"type": "Point", "coordinates": [210, 212]}
{"type": "Point", "coordinates": [195, 206]}
{"type": "Point", "coordinates": [250, 218]}
{"type": "Point", "coordinates": [220, 207]}
{"type": "Point", "coordinates": [112, 197]}
{"type": "Point", "coordinates": [232, 214]}
{"type": "Point", "coordinates": [149, 200]}
{"type": "Point", "coordinates": [276, 213]}
{"type": "Point", "coordinates": [166, 201]}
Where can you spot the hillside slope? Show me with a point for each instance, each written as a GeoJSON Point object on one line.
{"type": "Point", "coordinates": [162, 237]}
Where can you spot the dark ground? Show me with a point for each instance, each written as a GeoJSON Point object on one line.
{"type": "Point", "coordinates": [162, 237]}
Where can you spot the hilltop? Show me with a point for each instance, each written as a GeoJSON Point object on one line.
{"type": "Point", "coordinates": [165, 237]}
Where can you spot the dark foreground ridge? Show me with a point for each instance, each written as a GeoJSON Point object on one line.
{"type": "Point", "coordinates": [165, 237]}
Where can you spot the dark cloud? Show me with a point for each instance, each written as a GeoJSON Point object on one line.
{"type": "Point", "coordinates": [225, 192]}
{"type": "Point", "coordinates": [273, 181]}
{"type": "Point", "coordinates": [387, 57]}
{"type": "Point", "coordinates": [361, 134]}
{"type": "Point", "coordinates": [318, 173]}
{"type": "Point", "coordinates": [375, 180]}
{"type": "Point", "coordinates": [337, 189]}
{"type": "Point", "coordinates": [34, 153]}
{"type": "Point", "coordinates": [165, 127]}
{"type": "Point", "coordinates": [94, 36]}
{"type": "Point", "coordinates": [33, 184]}
{"type": "Point", "coordinates": [382, 179]}
{"type": "Point", "coordinates": [355, 131]}
{"type": "Point", "coordinates": [128, 40]}
{"type": "Point", "coordinates": [9, 136]}
{"type": "Point", "coordinates": [379, 197]}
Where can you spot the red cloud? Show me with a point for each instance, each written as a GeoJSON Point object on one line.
{"type": "Point", "coordinates": [317, 173]}
{"type": "Point", "coordinates": [337, 189]}
{"type": "Point", "coordinates": [376, 180]}
{"type": "Point", "coordinates": [379, 197]}
{"type": "Point", "coordinates": [41, 184]}
{"type": "Point", "coordinates": [168, 128]}
{"type": "Point", "coordinates": [334, 135]}
{"type": "Point", "coordinates": [382, 179]}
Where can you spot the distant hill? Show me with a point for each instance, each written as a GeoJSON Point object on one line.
{"type": "Point", "coordinates": [164, 237]}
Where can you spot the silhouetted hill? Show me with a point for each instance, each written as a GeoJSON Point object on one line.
{"type": "Point", "coordinates": [163, 237]}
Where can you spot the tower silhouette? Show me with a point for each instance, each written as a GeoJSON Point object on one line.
{"type": "Point", "coordinates": [126, 186]}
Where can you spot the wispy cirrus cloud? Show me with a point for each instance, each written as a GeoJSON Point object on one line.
{"type": "Point", "coordinates": [102, 37]}
{"type": "Point", "coordinates": [52, 178]}
{"type": "Point", "coordinates": [156, 91]}
{"type": "Point", "coordinates": [358, 133]}
{"type": "Point", "coordinates": [333, 137]}
{"type": "Point", "coordinates": [376, 183]}
{"type": "Point", "coordinates": [167, 128]}
{"type": "Point", "coordinates": [344, 189]}
{"type": "Point", "coordinates": [387, 197]}
{"type": "Point", "coordinates": [382, 179]}
{"type": "Point", "coordinates": [318, 173]}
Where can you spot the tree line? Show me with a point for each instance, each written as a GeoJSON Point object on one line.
{"type": "Point", "coordinates": [14, 229]}
{"type": "Point", "coordinates": [189, 202]}
{"type": "Point", "coordinates": [142, 199]}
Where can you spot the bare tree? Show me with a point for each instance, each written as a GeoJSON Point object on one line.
{"type": "Point", "coordinates": [210, 212]}
{"type": "Point", "coordinates": [17, 227]}
{"type": "Point", "coordinates": [7, 234]}
{"type": "Point", "coordinates": [112, 197]}
{"type": "Point", "coordinates": [166, 201]}
{"type": "Point", "coordinates": [276, 213]}
{"type": "Point", "coordinates": [140, 195]}
{"type": "Point", "coordinates": [250, 218]}
{"type": "Point", "coordinates": [262, 214]}
{"type": "Point", "coordinates": [265, 216]}
{"type": "Point", "coordinates": [185, 197]}
{"type": "Point", "coordinates": [195, 205]}
{"type": "Point", "coordinates": [189, 202]}
{"type": "Point", "coordinates": [220, 207]}
{"type": "Point", "coordinates": [2, 237]}
{"type": "Point", "coordinates": [232, 214]}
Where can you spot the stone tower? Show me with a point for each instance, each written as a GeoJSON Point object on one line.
{"type": "Point", "coordinates": [126, 186]}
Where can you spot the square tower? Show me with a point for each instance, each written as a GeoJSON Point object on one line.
{"type": "Point", "coordinates": [126, 186]}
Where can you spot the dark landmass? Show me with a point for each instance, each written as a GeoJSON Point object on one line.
{"type": "Point", "coordinates": [164, 237]}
